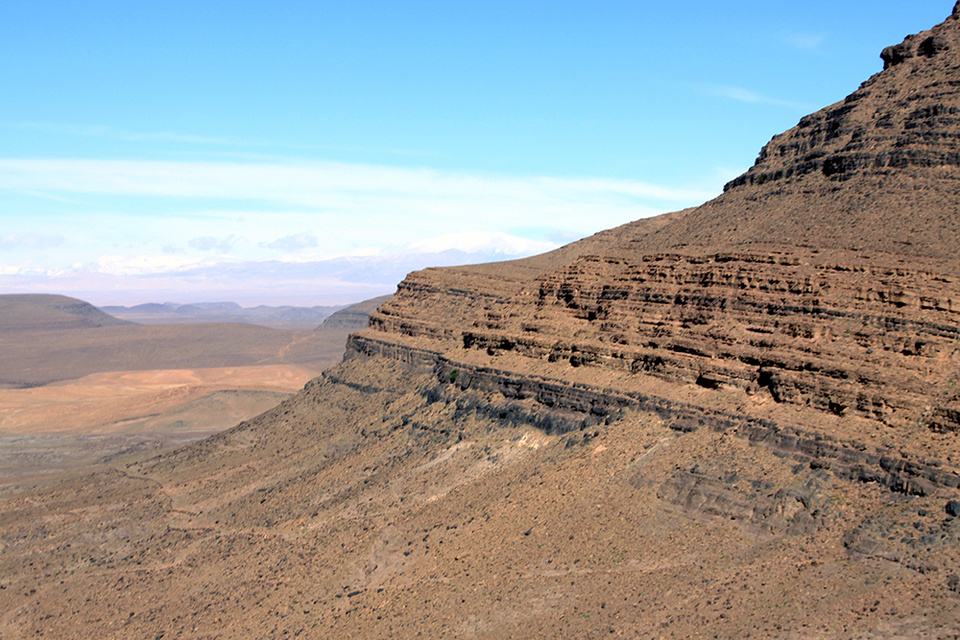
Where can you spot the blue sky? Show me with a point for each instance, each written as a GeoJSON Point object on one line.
{"type": "Point", "coordinates": [309, 152]}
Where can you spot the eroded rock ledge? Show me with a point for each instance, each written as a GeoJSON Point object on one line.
{"type": "Point", "coordinates": [904, 117]}
{"type": "Point", "coordinates": [845, 339]}
{"type": "Point", "coordinates": [561, 407]}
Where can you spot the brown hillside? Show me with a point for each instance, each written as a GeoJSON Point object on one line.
{"type": "Point", "coordinates": [356, 317]}
{"type": "Point", "coordinates": [739, 420]}
{"type": "Point", "coordinates": [35, 312]}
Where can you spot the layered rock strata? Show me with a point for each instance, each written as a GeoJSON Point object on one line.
{"type": "Point", "coordinates": [825, 279]}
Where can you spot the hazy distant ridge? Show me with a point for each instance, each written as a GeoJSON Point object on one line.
{"type": "Point", "coordinates": [174, 313]}
{"type": "Point", "coordinates": [44, 312]}
{"type": "Point", "coordinates": [353, 318]}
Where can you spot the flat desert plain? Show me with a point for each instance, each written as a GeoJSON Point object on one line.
{"type": "Point", "coordinates": [78, 387]}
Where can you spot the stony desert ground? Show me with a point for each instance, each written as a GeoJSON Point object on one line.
{"type": "Point", "coordinates": [78, 386]}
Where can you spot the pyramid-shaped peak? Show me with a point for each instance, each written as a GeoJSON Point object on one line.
{"type": "Point", "coordinates": [878, 171]}
{"type": "Point", "coordinates": [905, 116]}
{"type": "Point", "coordinates": [924, 45]}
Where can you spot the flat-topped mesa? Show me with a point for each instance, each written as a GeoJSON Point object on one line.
{"type": "Point", "coordinates": [821, 291]}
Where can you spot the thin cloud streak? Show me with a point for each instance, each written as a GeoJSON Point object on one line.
{"type": "Point", "coordinates": [112, 133]}
{"type": "Point", "coordinates": [294, 242]}
{"type": "Point", "coordinates": [296, 183]}
{"type": "Point", "coordinates": [804, 41]}
{"type": "Point", "coordinates": [345, 200]}
{"type": "Point", "coordinates": [751, 97]}
{"type": "Point", "coordinates": [103, 131]}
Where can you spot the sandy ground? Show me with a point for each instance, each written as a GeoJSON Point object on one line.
{"type": "Point", "coordinates": [108, 402]}
{"type": "Point", "coordinates": [66, 425]}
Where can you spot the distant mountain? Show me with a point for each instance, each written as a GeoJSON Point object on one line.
{"type": "Point", "coordinates": [38, 311]}
{"type": "Point", "coordinates": [283, 317]}
{"type": "Point", "coordinates": [354, 318]}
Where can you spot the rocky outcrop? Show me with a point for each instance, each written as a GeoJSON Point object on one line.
{"type": "Point", "coordinates": [901, 118]}
{"type": "Point", "coordinates": [557, 406]}
{"type": "Point", "coordinates": [813, 308]}
{"type": "Point", "coordinates": [764, 507]}
{"type": "Point", "coordinates": [843, 339]}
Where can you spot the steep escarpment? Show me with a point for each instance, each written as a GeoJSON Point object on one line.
{"type": "Point", "coordinates": [822, 289]}
{"type": "Point", "coordinates": [731, 421]}
{"type": "Point", "coordinates": [851, 350]}
{"type": "Point", "coordinates": [811, 310]}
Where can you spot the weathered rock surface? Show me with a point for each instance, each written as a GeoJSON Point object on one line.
{"type": "Point", "coordinates": [825, 279]}
{"type": "Point", "coordinates": [740, 419]}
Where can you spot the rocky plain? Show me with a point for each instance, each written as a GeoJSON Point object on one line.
{"type": "Point", "coordinates": [737, 420]}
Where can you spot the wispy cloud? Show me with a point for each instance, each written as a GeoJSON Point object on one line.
{"type": "Point", "coordinates": [130, 265]}
{"type": "Point", "coordinates": [102, 131]}
{"type": "Point", "coordinates": [809, 42]}
{"type": "Point", "coordinates": [282, 206]}
{"type": "Point", "coordinates": [478, 242]}
{"type": "Point", "coordinates": [293, 243]}
{"type": "Point", "coordinates": [211, 243]}
{"type": "Point", "coordinates": [751, 97]}
{"type": "Point", "coordinates": [30, 241]}
{"type": "Point", "coordinates": [318, 183]}
{"type": "Point", "coordinates": [50, 196]}
{"type": "Point", "coordinates": [195, 223]}
{"type": "Point", "coordinates": [227, 145]}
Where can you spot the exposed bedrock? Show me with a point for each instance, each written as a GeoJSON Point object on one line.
{"type": "Point", "coordinates": [860, 340]}
{"type": "Point", "coordinates": [558, 406]}
{"type": "Point", "coordinates": [904, 117]}
{"type": "Point", "coordinates": [812, 309]}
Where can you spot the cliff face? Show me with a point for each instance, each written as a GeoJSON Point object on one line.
{"type": "Point", "coordinates": [820, 292]}
{"type": "Point", "coordinates": [736, 419]}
